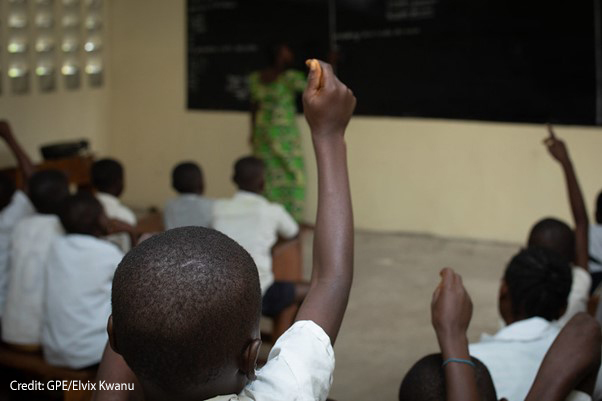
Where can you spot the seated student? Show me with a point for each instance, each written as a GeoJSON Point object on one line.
{"type": "Point", "coordinates": [557, 236]}
{"type": "Point", "coordinates": [186, 303]}
{"type": "Point", "coordinates": [108, 180]}
{"type": "Point", "coordinates": [595, 246]}
{"type": "Point", "coordinates": [30, 242]}
{"type": "Point", "coordinates": [255, 223]}
{"type": "Point", "coordinates": [533, 295]}
{"type": "Point", "coordinates": [567, 372]}
{"type": "Point", "coordinates": [190, 208]}
{"type": "Point", "coordinates": [451, 375]}
{"type": "Point", "coordinates": [14, 204]}
{"type": "Point", "coordinates": [80, 270]}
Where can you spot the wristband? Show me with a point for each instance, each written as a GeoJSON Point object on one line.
{"type": "Point", "coordinates": [459, 360]}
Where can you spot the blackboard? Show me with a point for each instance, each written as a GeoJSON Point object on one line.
{"type": "Point", "coordinates": [499, 60]}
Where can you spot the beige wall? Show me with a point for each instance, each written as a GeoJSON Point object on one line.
{"type": "Point", "coordinates": [40, 118]}
{"type": "Point", "coordinates": [476, 180]}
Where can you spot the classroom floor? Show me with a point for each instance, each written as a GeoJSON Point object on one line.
{"type": "Point", "coordinates": [387, 326]}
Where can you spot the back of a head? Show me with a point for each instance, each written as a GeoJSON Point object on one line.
{"type": "Point", "coordinates": [47, 191]}
{"type": "Point", "coordinates": [7, 190]}
{"type": "Point", "coordinates": [553, 235]}
{"type": "Point", "coordinates": [187, 178]}
{"type": "Point", "coordinates": [539, 282]}
{"type": "Point", "coordinates": [107, 176]}
{"type": "Point", "coordinates": [425, 381]}
{"type": "Point", "coordinates": [82, 213]}
{"type": "Point", "coordinates": [185, 303]}
{"type": "Point", "coordinates": [249, 173]}
{"type": "Point", "coordinates": [599, 208]}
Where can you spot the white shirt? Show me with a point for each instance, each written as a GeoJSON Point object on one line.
{"type": "Point", "coordinates": [513, 355]}
{"type": "Point", "coordinates": [30, 243]}
{"type": "Point", "coordinates": [188, 210]}
{"type": "Point", "coordinates": [255, 223]}
{"type": "Point", "coordinates": [299, 368]}
{"type": "Point", "coordinates": [114, 209]}
{"type": "Point", "coordinates": [18, 208]}
{"type": "Point", "coordinates": [78, 300]}
{"type": "Point", "coordinates": [579, 295]}
{"type": "Point", "coordinates": [595, 247]}
{"type": "Point", "coordinates": [578, 396]}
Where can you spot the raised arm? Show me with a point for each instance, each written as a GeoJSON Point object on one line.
{"type": "Point", "coordinates": [571, 363]}
{"type": "Point", "coordinates": [451, 311]}
{"type": "Point", "coordinates": [26, 167]}
{"type": "Point", "coordinates": [328, 106]}
{"type": "Point", "coordinates": [558, 150]}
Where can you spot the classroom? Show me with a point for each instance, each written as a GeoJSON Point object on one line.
{"type": "Point", "coordinates": [436, 179]}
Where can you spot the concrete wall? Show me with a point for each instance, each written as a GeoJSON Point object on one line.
{"type": "Point", "coordinates": [467, 179]}
{"type": "Point", "coordinates": [453, 178]}
{"type": "Point", "coordinates": [40, 118]}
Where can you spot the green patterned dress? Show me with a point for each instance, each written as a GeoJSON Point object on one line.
{"type": "Point", "coordinates": [276, 138]}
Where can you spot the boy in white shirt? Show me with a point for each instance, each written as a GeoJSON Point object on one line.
{"type": "Point", "coordinates": [108, 180]}
{"type": "Point", "coordinates": [190, 208]}
{"type": "Point", "coordinates": [255, 223]}
{"type": "Point", "coordinates": [14, 204]}
{"type": "Point", "coordinates": [30, 243]}
{"type": "Point", "coordinates": [80, 271]}
{"type": "Point", "coordinates": [187, 303]}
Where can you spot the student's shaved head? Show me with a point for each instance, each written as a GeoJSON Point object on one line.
{"type": "Point", "coordinates": [185, 303]}
{"type": "Point", "coordinates": [426, 381]}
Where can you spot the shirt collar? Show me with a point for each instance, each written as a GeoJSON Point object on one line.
{"type": "Point", "coordinates": [246, 194]}
{"type": "Point", "coordinates": [107, 197]}
{"type": "Point", "coordinates": [525, 330]}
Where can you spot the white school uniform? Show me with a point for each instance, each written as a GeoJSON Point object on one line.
{"type": "Point", "coordinates": [30, 243]}
{"type": "Point", "coordinates": [595, 247]}
{"type": "Point", "coordinates": [19, 208]}
{"type": "Point", "coordinates": [114, 209]}
{"type": "Point", "coordinates": [299, 368]}
{"type": "Point", "coordinates": [579, 295]}
{"type": "Point", "coordinates": [188, 210]}
{"type": "Point", "coordinates": [78, 300]}
{"type": "Point", "coordinates": [513, 355]}
{"type": "Point", "coordinates": [255, 223]}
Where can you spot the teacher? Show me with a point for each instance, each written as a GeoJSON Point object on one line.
{"type": "Point", "coordinates": [274, 133]}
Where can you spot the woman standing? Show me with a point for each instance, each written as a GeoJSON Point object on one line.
{"type": "Point", "coordinates": [274, 133]}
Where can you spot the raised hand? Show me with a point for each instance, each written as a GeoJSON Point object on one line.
{"type": "Point", "coordinates": [451, 308]}
{"type": "Point", "coordinates": [327, 103]}
{"type": "Point", "coordinates": [556, 147]}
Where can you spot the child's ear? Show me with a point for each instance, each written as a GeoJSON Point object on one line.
{"type": "Point", "coordinates": [111, 332]}
{"type": "Point", "coordinates": [249, 359]}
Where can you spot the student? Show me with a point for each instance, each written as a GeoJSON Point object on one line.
{"type": "Point", "coordinates": [80, 270]}
{"type": "Point", "coordinates": [567, 372]}
{"type": "Point", "coordinates": [595, 246]}
{"type": "Point", "coordinates": [30, 242]}
{"type": "Point", "coordinates": [532, 296]}
{"type": "Point", "coordinates": [108, 180]}
{"type": "Point", "coordinates": [190, 208]}
{"type": "Point", "coordinates": [186, 303]}
{"type": "Point", "coordinates": [14, 204]}
{"type": "Point", "coordinates": [558, 237]}
{"type": "Point", "coordinates": [255, 223]}
{"type": "Point", "coordinates": [451, 375]}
